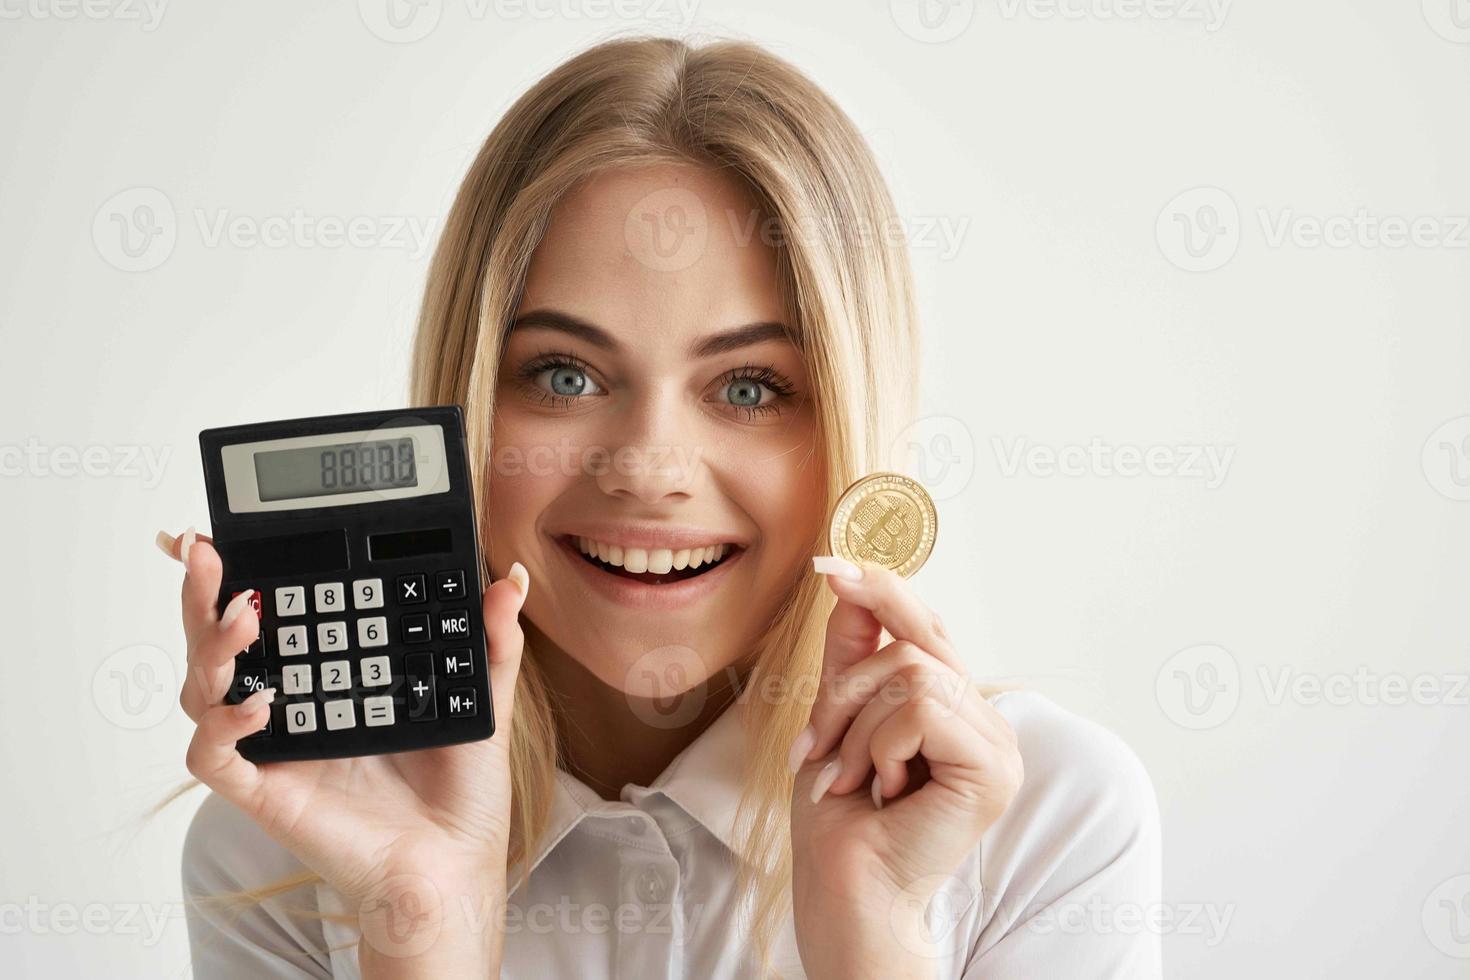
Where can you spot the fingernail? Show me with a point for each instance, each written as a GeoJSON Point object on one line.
{"type": "Point", "coordinates": [825, 779]}
{"type": "Point", "coordinates": [189, 538]}
{"type": "Point", "coordinates": [248, 707]}
{"type": "Point", "coordinates": [232, 611]}
{"type": "Point", "coordinates": [521, 578]}
{"type": "Point", "coordinates": [165, 542]}
{"type": "Point", "coordinates": [801, 748]}
{"type": "Point", "coordinates": [841, 567]}
{"type": "Point", "coordinates": [877, 791]}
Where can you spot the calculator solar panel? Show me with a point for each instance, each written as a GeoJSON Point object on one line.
{"type": "Point", "coordinates": [357, 533]}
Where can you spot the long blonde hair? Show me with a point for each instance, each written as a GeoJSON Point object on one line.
{"type": "Point", "coordinates": [734, 106]}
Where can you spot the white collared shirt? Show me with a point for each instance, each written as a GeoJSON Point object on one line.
{"type": "Point", "coordinates": [1065, 884]}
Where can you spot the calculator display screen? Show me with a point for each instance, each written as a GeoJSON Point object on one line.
{"type": "Point", "coordinates": [345, 467]}
{"type": "Point", "coordinates": [335, 469]}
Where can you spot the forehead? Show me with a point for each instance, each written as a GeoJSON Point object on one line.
{"type": "Point", "coordinates": [657, 256]}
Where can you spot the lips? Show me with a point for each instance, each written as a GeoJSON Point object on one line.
{"type": "Point", "coordinates": [665, 588]}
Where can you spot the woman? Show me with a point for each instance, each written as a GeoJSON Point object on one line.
{"type": "Point", "coordinates": [666, 301]}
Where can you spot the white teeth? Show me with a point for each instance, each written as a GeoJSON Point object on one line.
{"type": "Point", "coordinates": [655, 560]}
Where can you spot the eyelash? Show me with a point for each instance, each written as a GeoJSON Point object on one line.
{"type": "Point", "coordinates": [762, 374]}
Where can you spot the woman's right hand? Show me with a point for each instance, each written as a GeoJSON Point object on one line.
{"type": "Point", "coordinates": [416, 841]}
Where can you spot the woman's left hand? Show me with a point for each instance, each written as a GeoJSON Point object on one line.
{"type": "Point", "coordinates": [936, 762]}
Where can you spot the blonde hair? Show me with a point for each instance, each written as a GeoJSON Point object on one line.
{"type": "Point", "coordinates": [733, 106]}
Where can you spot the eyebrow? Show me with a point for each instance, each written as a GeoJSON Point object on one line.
{"type": "Point", "coordinates": [719, 343]}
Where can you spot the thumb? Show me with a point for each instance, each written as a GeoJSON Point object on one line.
{"type": "Point", "coordinates": [504, 640]}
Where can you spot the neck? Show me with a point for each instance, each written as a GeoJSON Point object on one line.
{"type": "Point", "coordinates": [609, 738]}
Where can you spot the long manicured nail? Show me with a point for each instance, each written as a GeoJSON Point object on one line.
{"type": "Point", "coordinates": [801, 748]}
{"type": "Point", "coordinates": [521, 578]}
{"type": "Point", "coordinates": [232, 611]}
{"type": "Point", "coordinates": [841, 567]}
{"type": "Point", "coordinates": [877, 791]}
{"type": "Point", "coordinates": [165, 542]}
{"type": "Point", "coordinates": [248, 707]}
{"type": "Point", "coordinates": [189, 538]}
{"type": "Point", "coordinates": [825, 779]}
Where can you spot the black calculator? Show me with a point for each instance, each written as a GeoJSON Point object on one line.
{"type": "Point", "coordinates": [357, 533]}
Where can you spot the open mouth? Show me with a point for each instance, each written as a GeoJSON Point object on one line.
{"type": "Point", "coordinates": [652, 566]}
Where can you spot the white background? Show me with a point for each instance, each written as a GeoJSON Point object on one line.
{"type": "Point", "coordinates": [1067, 306]}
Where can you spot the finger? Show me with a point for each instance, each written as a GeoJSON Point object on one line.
{"type": "Point", "coordinates": [212, 757]}
{"type": "Point", "coordinates": [928, 727]}
{"type": "Point", "coordinates": [203, 572]}
{"type": "Point", "coordinates": [892, 603]}
{"type": "Point", "coordinates": [505, 641]}
{"type": "Point", "coordinates": [211, 656]}
{"type": "Point", "coordinates": [172, 546]}
{"type": "Point", "coordinates": [845, 693]}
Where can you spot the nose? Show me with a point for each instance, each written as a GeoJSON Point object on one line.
{"type": "Point", "coordinates": [652, 456]}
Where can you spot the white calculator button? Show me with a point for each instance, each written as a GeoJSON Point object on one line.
{"type": "Point", "coordinates": [378, 710]}
{"type": "Point", "coordinates": [331, 637]}
{"type": "Point", "coordinates": [375, 672]}
{"type": "Point", "coordinates": [291, 641]}
{"type": "Point", "coordinates": [372, 631]}
{"type": "Point", "coordinates": [290, 601]}
{"type": "Point", "coordinates": [329, 597]}
{"type": "Point", "coordinates": [301, 717]}
{"type": "Point", "coordinates": [296, 679]}
{"type": "Point", "coordinates": [336, 675]}
{"type": "Point", "coordinates": [339, 715]}
{"type": "Point", "coordinates": [367, 593]}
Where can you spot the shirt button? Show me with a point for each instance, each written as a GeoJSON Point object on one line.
{"type": "Point", "coordinates": [650, 886]}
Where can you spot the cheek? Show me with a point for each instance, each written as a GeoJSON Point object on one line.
{"type": "Point", "coordinates": [524, 474]}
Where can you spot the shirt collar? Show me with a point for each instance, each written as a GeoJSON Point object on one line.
{"type": "Point", "coordinates": [704, 780]}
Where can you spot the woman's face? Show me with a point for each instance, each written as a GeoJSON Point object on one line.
{"type": "Point", "coordinates": [651, 408]}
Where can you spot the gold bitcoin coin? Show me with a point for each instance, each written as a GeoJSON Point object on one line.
{"type": "Point", "coordinates": [886, 519]}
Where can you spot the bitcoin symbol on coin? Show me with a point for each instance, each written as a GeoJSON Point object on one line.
{"type": "Point", "coordinates": [886, 519]}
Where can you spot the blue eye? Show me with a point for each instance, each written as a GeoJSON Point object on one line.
{"type": "Point", "coordinates": [564, 380]}
{"type": "Point", "coordinates": [745, 392]}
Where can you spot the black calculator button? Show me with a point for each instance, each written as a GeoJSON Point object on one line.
{"type": "Point", "coordinates": [296, 679]}
{"type": "Point", "coordinates": [291, 641]}
{"type": "Point", "coordinates": [339, 715]}
{"type": "Point", "coordinates": [450, 584]}
{"type": "Point", "coordinates": [377, 710]}
{"type": "Point", "coordinates": [458, 663]}
{"type": "Point", "coordinates": [454, 624]}
{"type": "Point", "coordinates": [372, 631]}
{"type": "Point", "coordinates": [255, 649]}
{"type": "Point", "coordinates": [415, 628]}
{"type": "Point", "coordinates": [329, 597]}
{"type": "Point", "coordinates": [300, 717]}
{"type": "Point", "coordinates": [412, 590]}
{"type": "Point", "coordinates": [367, 593]}
{"type": "Point", "coordinates": [375, 672]}
{"type": "Point", "coordinates": [462, 702]}
{"type": "Point", "coordinates": [336, 675]}
{"type": "Point", "coordinates": [290, 601]}
{"type": "Point", "coordinates": [247, 682]}
{"type": "Point", "coordinates": [418, 668]}
{"type": "Point", "coordinates": [331, 637]}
